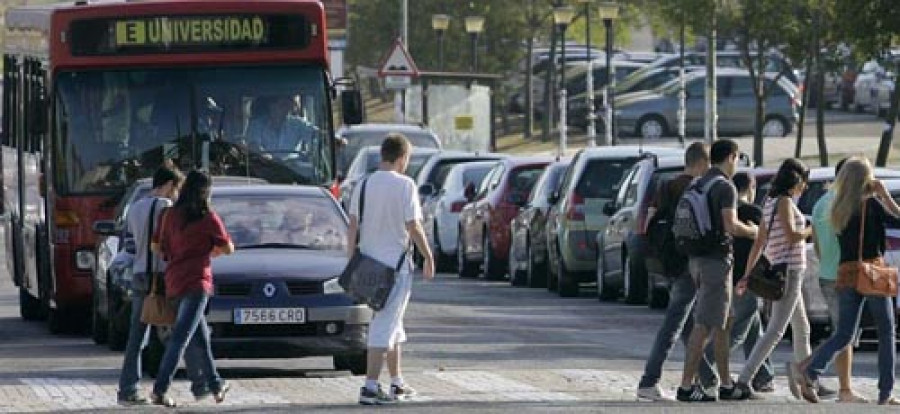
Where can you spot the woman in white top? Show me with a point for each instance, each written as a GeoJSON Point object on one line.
{"type": "Point", "coordinates": [783, 234]}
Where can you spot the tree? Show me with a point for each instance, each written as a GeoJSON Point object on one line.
{"type": "Point", "coordinates": [871, 27]}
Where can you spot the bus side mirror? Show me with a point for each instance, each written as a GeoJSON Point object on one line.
{"type": "Point", "coordinates": [352, 107]}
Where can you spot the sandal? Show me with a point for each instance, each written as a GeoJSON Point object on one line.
{"type": "Point", "coordinates": [850, 397]}
{"type": "Point", "coordinates": [163, 400]}
{"type": "Point", "coordinates": [889, 401]}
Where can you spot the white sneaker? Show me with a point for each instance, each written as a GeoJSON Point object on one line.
{"type": "Point", "coordinates": [654, 393]}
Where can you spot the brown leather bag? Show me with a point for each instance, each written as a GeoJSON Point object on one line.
{"type": "Point", "coordinates": [156, 310]}
{"type": "Point", "coordinates": [873, 276]}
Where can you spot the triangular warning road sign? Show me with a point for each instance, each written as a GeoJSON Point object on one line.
{"type": "Point", "coordinates": [398, 62]}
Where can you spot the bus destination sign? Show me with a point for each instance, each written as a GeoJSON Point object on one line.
{"type": "Point", "coordinates": [190, 31]}
{"type": "Point", "coordinates": [188, 34]}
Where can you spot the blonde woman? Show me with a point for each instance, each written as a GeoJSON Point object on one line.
{"type": "Point", "coordinates": [782, 234]}
{"type": "Point", "coordinates": [857, 193]}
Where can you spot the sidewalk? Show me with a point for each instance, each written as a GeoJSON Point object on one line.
{"type": "Point", "coordinates": [775, 149]}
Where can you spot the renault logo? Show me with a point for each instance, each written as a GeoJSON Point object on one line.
{"type": "Point", "coordinates": [269, 290]}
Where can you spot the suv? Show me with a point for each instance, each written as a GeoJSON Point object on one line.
{"type": "Point", "coordinates": [622, 246]}
{"type": "Point", "coordinates": [484, 222]}
{"type": "Point", "coordinates": [591, 181]}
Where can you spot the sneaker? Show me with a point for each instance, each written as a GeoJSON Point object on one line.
{"type": "Point", "coordinates": [402, 392]}
{"type": "Point", "coordinates": [694, 394]}
{"type": "Point", "coordinates": [764, 386]}
{"type": "Point", "coordinates": [378, 397]}
{"type": "Point", "coordinates": [163, 400]}
{"type": "Point", "coordinates": [202, 394]}
{"type": "Point", "coordinates": [889, 401]}
{"type": "Point", "coordinates": [737, 392]}
{"type": "Point", "coordinates": [132, 400]}
{"type": "Point", "coordinates": [808, 387]}
{"type": "Point", "coordinates": [219, 396]}
{"type": "Point", "coordinates": [654, 393]}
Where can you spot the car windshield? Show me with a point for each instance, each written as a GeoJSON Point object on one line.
{"type": "Point", "coordinates": [522, 180]}
{"type": "Point", "coordinates": [359, 139]}
{"type": "Point", "coordinates": [601, 178]}
{"type": "Point", "coordinates": [440, 171]}
{"type": "Point", "coordinates": [549, 183]}
{"type": "Point", "coordinates": [114, 127]}
{"type": "Point", "coordinates": [308, 222]}
{"type": "Point", "coordinates": [416, 161]}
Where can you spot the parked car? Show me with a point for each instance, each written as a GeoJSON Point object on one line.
{"type": "Point", "coordinates": [775, 63]}
{"type": "Point", "coordinates": [872, 88]}
{"type": "Point", "coordinates": [430, 178]}
{"type": "Point", "coordinates": [653, 114]}
{"type": "Point", "coordinates": [354, 138]}
{"type": "Point", "coordinates": [484, 222]}
{"type": "Point", "coordinates": [592, 179]}
{"type": "Point", "coordinates": [367, 161]}
{"type": "Point", "coordinates": [111, 307]}
{"type": "Point", "coordinates": [277, 296]}
{"type": "Point", "coordinates": [622, 245]}
{"type": "Point", "coordinates": [528, 231]}
{"type": "Point", "coordinates": [441, 212]}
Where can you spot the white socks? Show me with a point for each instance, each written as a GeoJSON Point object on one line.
{"type": "Point", "coordinates": [397, 381]}
{"type": "Point", "coordinates": [372, 385]}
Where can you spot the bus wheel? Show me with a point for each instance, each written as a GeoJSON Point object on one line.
{"type": "Point", "coordinates": [29, 306]}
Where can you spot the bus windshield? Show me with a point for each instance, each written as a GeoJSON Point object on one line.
{"type": "Point", "coordinates": [113, 127]}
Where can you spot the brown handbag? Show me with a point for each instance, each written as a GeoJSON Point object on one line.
{"type": "Point", "coordinates": [873, 276]}
{"type": "Point", "coordinates": [156, 310]}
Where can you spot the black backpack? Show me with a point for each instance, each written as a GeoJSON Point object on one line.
{"type": "Point", "coordinates": [662, 245]}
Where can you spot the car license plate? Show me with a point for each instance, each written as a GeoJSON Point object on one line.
{"type": "Point", "coordinates": [269, 316]}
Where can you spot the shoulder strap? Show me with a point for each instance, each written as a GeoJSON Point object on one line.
{"type": "Point", "coordinates": [709, 184]}
{"type": "Point", "coordinates": [862, 227]}
{"type": "Point", "coordinates": [362, 199]}
{"type": "Point", "coordinates": [150, 237]}
{"type": "Point", "coordinates": [771, 220]}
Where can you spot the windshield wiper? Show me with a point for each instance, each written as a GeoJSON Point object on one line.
{"type": "Point", "coordinates": [274, 246]}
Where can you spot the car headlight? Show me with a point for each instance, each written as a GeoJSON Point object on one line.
{"type": "Point", "coordinates": [332, 286]}
{"type": "Point", "coordinates": [84, 260]}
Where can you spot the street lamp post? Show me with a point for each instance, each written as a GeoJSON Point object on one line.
{"type": "Point", "coordinates": [609, 11]}
{"type": "Point", "coordinates": [562, 16]}
{"type": "Point", "coordinates": [474, 26]}
{"type": "Point", "coordinates": [440, 23]}
{"type": "Point", "coordinates": [591, 116]}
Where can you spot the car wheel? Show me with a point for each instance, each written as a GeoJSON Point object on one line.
{"type": "Point", "coordinates": [467, 269]}
{"type": "Point", "coordinates": [29, 307]}
{"type": "Point", "coordinates": [774, 127]}
{"type": "Point", "coordinates": [56, 321]}
{"type": "Point", "coordinates": [355, 363]}
{"type": "Point", "coordinates": [118, 324]}
{"type": "Point", "coordinates": [535, 273]}
{"type": "Point", "coordinates": [605, 292]}
{"type": "Point", "coordinates": [98, 324]}
{"type": "Point", "coordinates": [651, 127]}
{"type": "Point", "coordinates": [656, 298]}
{"type": "Point", "coordinates": [154, 351]}
{"type": "Point", "coordinates": [634, 284]}
{"type": "Point", "coordinates": [442, 262]}
{"type": "Point", "coordinates": [517, 276]}
{"type": "Point", "coordinates": [566, 286]}
{"type": "Point", "coordinates": [493, 270]}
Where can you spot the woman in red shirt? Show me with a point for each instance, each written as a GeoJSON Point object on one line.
{"type": "Point", "coordinates": [190, 235]}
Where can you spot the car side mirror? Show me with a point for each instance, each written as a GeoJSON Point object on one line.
{"type": "Point", "coordinates": [426, 190]}
{"type": "Point", "coordinates": [553, 198]}
{"type": "Point", "coordinates": [105, 228]}
{"type": "Point", "coordinates": [610, 208]}
{"type": "Point", "coordinates": [352, 107]}
{"type": "Point", "coordinates": [469, 192]}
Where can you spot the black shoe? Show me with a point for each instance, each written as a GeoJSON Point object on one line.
{"type": "Point", "coordinates": [694, 394]}
{"type": "Point", "coordinates": [825, 392]}
{"type": "Point", "coordinates": [737, 392]}
{"type": "Point", "coordinates": [764, 386]}
{"type": "Point", "coordinates": [132, 400]}
{"type": "Point", "coordinates": [377, 397]}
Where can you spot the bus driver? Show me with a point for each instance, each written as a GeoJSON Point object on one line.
{"type": "Point", "coordinates": [275, 129]}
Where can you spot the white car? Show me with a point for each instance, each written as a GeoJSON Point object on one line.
{"type": "Point", "coordinates": [873, 88]}
{"type": "Point", "coordinates": [441, 212]}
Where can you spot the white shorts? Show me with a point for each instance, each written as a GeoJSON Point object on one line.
{"type": "Point", "coordinates": [386, 328]}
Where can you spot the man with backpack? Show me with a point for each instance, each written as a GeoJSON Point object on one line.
{"type": "Point", "coordinates": [705, 225]}
{"type": "Point", "coordinates": [681, 296]}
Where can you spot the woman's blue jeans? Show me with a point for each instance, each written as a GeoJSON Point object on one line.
{"type": "Point", "coordinates": [849, 312]}
{"type": "Point", "coordinates": [190, 326]}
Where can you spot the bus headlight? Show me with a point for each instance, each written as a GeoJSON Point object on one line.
{"type": "Point", "coordinates": [84, 259]}
{"type": "Point", "coordinates": [332, 286]}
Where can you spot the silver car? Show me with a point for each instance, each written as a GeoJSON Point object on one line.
{"type": "Point", "coordinates": [654, 114]}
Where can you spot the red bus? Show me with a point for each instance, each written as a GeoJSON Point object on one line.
{"type": "Point", "coordinates": [98, 95]}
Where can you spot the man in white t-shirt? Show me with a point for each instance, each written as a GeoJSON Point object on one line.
{"type": "Point", "coordinates": [391, 216]}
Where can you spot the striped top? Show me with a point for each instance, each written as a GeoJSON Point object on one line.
{"type": "Point", "coordinates": [779, 249]}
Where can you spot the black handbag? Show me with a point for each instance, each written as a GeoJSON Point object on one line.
{"type": "Point", "coordinates": [365, 279]}
{"type": "Point", "coordinates": [767, 280]}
